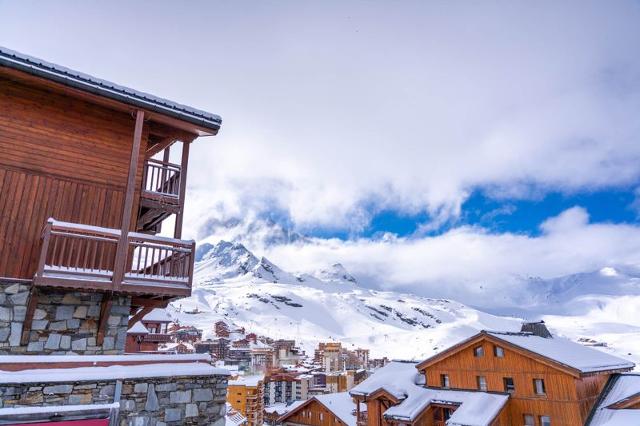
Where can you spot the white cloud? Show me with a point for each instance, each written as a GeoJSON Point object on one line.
{"type": "Point", "coordinates": [471, 264]}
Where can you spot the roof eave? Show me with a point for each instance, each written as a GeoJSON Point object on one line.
{"type": "Point", "coordinates": [208, 127]}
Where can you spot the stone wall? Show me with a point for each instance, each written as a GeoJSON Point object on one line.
{"type": "Point", "coordinates": [64, 322]}
{"type": "Point", "coordinates": [190, 400]}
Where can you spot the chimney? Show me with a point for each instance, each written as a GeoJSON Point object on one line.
{"type": "Point", "coordinates": [537, 329]}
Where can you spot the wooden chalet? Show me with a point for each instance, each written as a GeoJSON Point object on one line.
{"type": "Point", "coordinates": [87, 182]}
{"type": "Point", "coordinates": [149, 333]}
{"type": "Point", "coordinates": [520, 378]}
{"type": "Point", "coordinates": [334, 409]}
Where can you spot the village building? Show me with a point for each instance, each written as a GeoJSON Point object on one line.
{"type": "Point", "coordinates": [619, 402]}
{"type": "Point", "coordinates": [519, 378]}
{"type": "Point", "coordinates": [246, 395]}
{"type": "Point", "coordinates": [87, 181]}
{"type": "Point", "coordinates": [322, 410]}
{"type": "Point", "coordinates": [273, 413]}
{"type": "Point", "coordinates": [156, 324]}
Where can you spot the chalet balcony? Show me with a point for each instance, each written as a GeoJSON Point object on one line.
{"type": "Point", "coordinates": [86, 257]}
{"type": "Point", "coordinates": [160, 195]}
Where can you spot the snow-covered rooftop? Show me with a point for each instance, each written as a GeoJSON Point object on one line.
{"type": "Point", "coordinates": [157, 315]}
{"type": "Point", "coordinates": [397, 378]}
{"type": "Point", "coordinates": [621, 387]}
{"type": "Point", "coordinates": [401, 379]}
{"type": "Point", "coordinates": [282, 408]}
{"type": "Point", "coordinates": [113, 372]}
{"type": "Point", "coordinates": [252, 380]}
{"type": "Point", "coordinates": [566, 352]}
{"type": "Point", "coordinates": [341, 404]}
{"type": "Point", "coordinates": [138, 328]}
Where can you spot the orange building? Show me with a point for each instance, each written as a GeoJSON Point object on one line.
{"type": "Point", "coordinates": [246, 395]}
{"type": "Point", "coordinates": [335, 409]}
{"type": "Point", "coordinates": [526, 378]}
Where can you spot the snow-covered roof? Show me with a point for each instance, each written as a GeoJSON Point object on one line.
{"type": "Point", "coordinates": [87, 83]}
{"type": "Point", "coordinates": [138, 328]}
{"type": "Point", "coordinates": [113, 372]}
{"type": "Point", "coordinates": [341, 404]}
{"type": "Point", "coordinates": [252, 380]}
{"type": "Point", "coordinates": [620, 388]}
{"type": "Point", "coordinates": [566, 352]}
{"type": "Point", "coordinates": [157, 315]}
{"type": "Point", "coordinates": [474, 408]}
{"type": "Point", "coordinates": [282, 408]}
{"type": "Point", "coordinates": [233, 417]}
{"type": "Point", "coordinates": [401, 379]}
{"type": "Point", "coordinates": [57, 409]}
{"type": "Point", "coordinates": [396, 378]}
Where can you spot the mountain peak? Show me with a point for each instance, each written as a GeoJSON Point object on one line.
{"type": "Point", "coordinates": [336, 273]}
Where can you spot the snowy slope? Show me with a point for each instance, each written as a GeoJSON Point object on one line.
{"type": "Point", "coordinates": [234, 284]}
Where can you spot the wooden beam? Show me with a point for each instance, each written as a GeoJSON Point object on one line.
{"type": "Point", "coordinates": [28, 319]}
{"type": "Point", "coordinates": [105, 310]}
{"type": "Point", "coordinates": [127, 211]}
{"type": "Point", "coordinates": [163, 144]}
{"type": "Point", "coordinates": [183, 187]}
{"type": "Point", "coordinates": [139, 315]}
{"type": "Point", "coordinates": [143, 301]}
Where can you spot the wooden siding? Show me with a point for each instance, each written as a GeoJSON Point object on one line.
{"type": "Point", "coordinates": [567, 399]}
{"type": "Point", "coordinates": [313, 414]}
{"type": "Point", "coordinates": [62, 158]}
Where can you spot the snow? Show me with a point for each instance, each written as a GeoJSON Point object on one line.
{"type": "Point", "coordinates": [113, 372]}
{"type": "Point", "coordinates": [566, 352]}
{"type": "Point", "coordinates": [400, 380]}
{"type": "Point", "coordinates": [138, 328]}
{"type": "Point", "coordinates": [40, 359]}
{"type": "Point", "coordinates": [341, 404]}
{"type": "Point", "coordinates": [157, 315]}
{"type": "Point", "coordinates": [397, 378]}
{"type": "Point", "coordinates": [15, 411]}
{"type": "Point", "coordinates": [282, 408]}
{"type": "Point", "coordinates": [622, 387]}
{"type": "Point", "coordinates": [252, 380]}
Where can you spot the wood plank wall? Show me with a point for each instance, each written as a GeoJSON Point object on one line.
{"type": "Point", "coordinates": [567, 400]}
{"type": "Point", "coordinates": [310, 415]}
{"type": "Point", "coordinates": [60, 157]}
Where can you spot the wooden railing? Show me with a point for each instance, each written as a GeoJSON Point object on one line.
{"type": "Point", "coordinates": [79, 256]}
{"type": "Point", "coordinates": [161, 178]}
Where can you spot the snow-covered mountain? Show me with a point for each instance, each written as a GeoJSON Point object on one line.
{"type": "Point", "coordinates": [328, 304]}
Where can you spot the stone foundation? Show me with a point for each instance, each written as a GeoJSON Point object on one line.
{"type": "Point", "coordinates": [190, 400]}
{"type": "Point", "coordinates": [65, 322]}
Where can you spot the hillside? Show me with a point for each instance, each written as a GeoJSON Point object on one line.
{"type": "Point", "coordinates": [234, 284]}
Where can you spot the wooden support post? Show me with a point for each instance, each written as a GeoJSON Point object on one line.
{"type": "Point", "coordinates": [183, 188]}
{"type": "Point", "coordinates": [139, 315]}
{"type": "Point", "coordinates": [127, 211]}
{"type": "Point", "coordinates": [28, 319]}
{"type": "Point", "coordinates": [105, 310]}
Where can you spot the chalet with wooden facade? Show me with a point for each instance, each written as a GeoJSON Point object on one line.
{"type": "Point", "coordinates": [520, 378]}
{"type": "Point", "coordinates": [148, 334]}
{"type": "Point", "coordinates": [619, 402]}
{"type": "Point", "coordinates": [334, 409]}
{"type": "Point", "coordinates": [89, 172]}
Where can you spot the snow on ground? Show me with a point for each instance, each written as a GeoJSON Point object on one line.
{"type": "Point", "coordinates": [234, 284]}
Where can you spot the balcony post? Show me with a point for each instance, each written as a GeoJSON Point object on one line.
{"type": "Point", "coordinates": [183, 187]}
{"type": "Point", "coordinates": [127, 210]}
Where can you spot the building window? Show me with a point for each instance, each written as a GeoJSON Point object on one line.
{"type": "Point", "coordinates": [538, 386]}
{"type": "Point", "coordinates": [545, 421]}
{"type": "Point", "coordinates": [321, 416]}
{"type": "Point", "coordinates": [509, 386]}
{"type": "Point", "coordinates": [444, 380]}
{"type": "Point", "coordinates": [478, 351]}
{"type": "Point", "coordinates": [529, 420]}
{"type": "Point", "coordinates": [498, 352]}
{"type": "Point", "coordinates": [482, 383]}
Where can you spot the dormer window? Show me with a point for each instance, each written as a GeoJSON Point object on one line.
{"type": "Point", "coordinates": [478, 351]}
